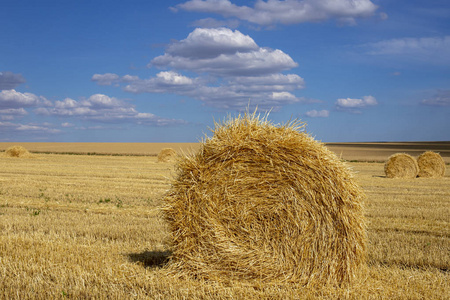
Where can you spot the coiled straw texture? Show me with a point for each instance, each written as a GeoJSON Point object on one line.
{"type": "Point", "coordinates": [268, 203]}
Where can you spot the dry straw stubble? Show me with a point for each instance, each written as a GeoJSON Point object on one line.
{"type": "Point", "coordinates": [167, 155]}
{"type": "Point", "coordinates": [268, 203]}
{"type": "Point", "coordinates": [401, 165]}
{"type": "Point", "coordinates": [431, 164]}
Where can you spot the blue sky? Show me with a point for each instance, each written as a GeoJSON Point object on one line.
{"type": "Point", "coordinates": [163, 71]}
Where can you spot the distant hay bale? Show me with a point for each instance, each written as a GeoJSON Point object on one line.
{"type": "Point", "coordinates": [431, 164]}
{"type": "Point", "coordinates": [401, 165]}
{"type": "Point", "coordinates": [17, 151]}
{"type": "Point", "coordinates": [167, 155]}
{"type": "Point", "coordinates": [267, 203]}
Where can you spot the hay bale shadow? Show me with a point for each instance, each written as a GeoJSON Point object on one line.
{"type": "Point", "coordinates": [151, 259]}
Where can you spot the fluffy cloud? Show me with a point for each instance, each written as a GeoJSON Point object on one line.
{"type": "Point", "coordinates": [354, 105]}
{"type": "Point", "coordinates": [212, 42]}
{"type": "Point", "coordinates": [163, 82]}
{"type": "Point", "coordinates": [271, 12]}
{"type": "Point", "coordinates": [231, 71]}
{"type": "Point", "coordinates": [260, 62]}
{"type": "Point", "coordinates": [231, 97]}
{"type": "Point", "coordinates": [96, 108]}
{"type": "Point", "coordinates": [103, 108]}
{"type": "Point", "coordinates": [441, 98]}
{"type": "Point", "coordinates": [9, 80]}
{"type": "Point", "coordinates": [13, 103]}
{"type": "Point", "coordinates": [13, 111]}
{"type": "Point", "coordinates": [102, 101]}
{"type": "Point", "coordinates": [14, 99]}
{"type": "Point", "coordinates": [223, 52]}
{"type": "Point", "coordinates": [318, 114]}
{"type": "Point", "coordinates": [236, 93]}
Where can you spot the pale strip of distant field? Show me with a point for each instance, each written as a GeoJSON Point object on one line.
{"type": "Point", "coordinates": [349, 151]}
{"type": "Point", "coordinates": [379, 152]}
{"type": "Point", "coordinates": [150, 149]}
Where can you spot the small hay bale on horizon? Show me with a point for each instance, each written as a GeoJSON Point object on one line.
{"type": "Point", "coordinates": [431, 164]}
{"type": "Point", "coordinates": [267, 203]}
{"type": "Point", "coordinates": [17, 151]}
{"type": "Point", "coordinates": [401, 165]}
{"type": "Point", "coordinates": [167, 155]}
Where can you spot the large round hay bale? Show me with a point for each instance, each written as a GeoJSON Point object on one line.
{"type": "Point", "coordinates": [265, 202]}
{"type": "Point", "coordinates": [401, 165]}
{"type": "Point", "coordinates": [431, 164]}
{"type": "Point", "coordinates": [167, 155]}
{"type": "Point", "coordinates": [17, 151]}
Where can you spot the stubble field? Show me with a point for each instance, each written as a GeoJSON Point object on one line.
{"type": "Point", "coordinates": [89, 226]}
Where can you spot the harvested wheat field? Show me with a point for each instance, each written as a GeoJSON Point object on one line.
{"type": "Point", "coordinates": [90, 226]}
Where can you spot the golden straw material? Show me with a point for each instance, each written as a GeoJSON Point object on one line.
{"type": "Point", "coordinates": [167, 155]}
{"type": "Point", "coordinates": [17, 151]}
{"type": "Point", "coordinates": [431, 164]}
{"type": "Point", "coordinates": [267, 203]}
{"type": "Point", "coordinates": [401, 165]}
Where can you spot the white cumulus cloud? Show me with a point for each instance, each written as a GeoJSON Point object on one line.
{"type": "Point", "coordinates": [13, 112]}
{"type": "Point", "coordinates": [103, 108]}
{"type": "Point", "coordinates": [168, 81]}
{"type": "Point", "coordinates": [223, 52]}
{"type": "Point", "coordinates": [226, 68]}
{"type": "Point", "coordinates": [283, 96]}
{"type": "Point", "coordinates": [212, 42]}
{"type": "Point", "coordinates": [14, 99]}
{"type": "Point", "coordinates": [272, 12]}
{"type": "Point", "coordinates": [262, 61]}
{"type": "Point", "coordinates": [355, 104]}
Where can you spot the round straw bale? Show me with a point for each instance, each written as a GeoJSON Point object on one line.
{"type": "Point", "coordinates": [167, 155]}
{"type": "Point", "coordinates": [17, 151]}
{"type": "Point", "coordinates": [431, 164]}
{"type": "Point", "coordinates": [267, 203]}
{"type": "Point", "coordinates": [401, 165]}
